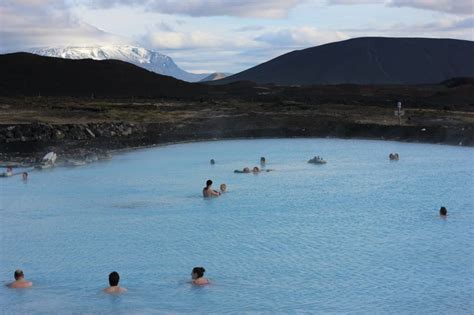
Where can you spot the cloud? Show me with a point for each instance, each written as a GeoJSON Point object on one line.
{"type": "Point", "coordinates": [164, 27]}
{"type": "Point", "coordinates": [460, 7]}
{"type": "Point", "coordinates": [249, 28]}
{"type": "Point", "coordinates": [448, 27]}
{"type": "Point", "coordinates": [301, 37]}
{"type": "Point", "coordinates": [163, 39]}
{"type": "Point", "coordinates": [467, 23]}
{"type": "Point", "coordinates": [272, 9]}
{"type": "Point", "coordinates": [353, 2]}
{"type": "Point", "coordinates": [179, 40]}
{"type": "Point", "coordinates": [37, 23]}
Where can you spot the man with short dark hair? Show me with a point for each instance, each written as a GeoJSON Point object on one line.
{"type": "Point", "coordinates": [114, 288]}
{"type": "Point", "coordinates": [20, 281]}
{"type": "Point", "coordinates": [208, 191]}
{"type": "Point", "coordinates": [443, 212]}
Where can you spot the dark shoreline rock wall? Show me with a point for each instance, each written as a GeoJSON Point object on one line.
{"type": "Point", "coordinates": [27, 143]}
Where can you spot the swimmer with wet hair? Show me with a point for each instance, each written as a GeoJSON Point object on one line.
{"type": "Point", "coordinates": [208, 191]}
{"type": "Point", "coordinates": [262, 160]}
{"type": "Point", "coordinates": [443, 212]}
{"type": "Point", "coordinates": [256, 169]}
{"type": "Point", "coordinates": [213, 162]}
{"type": "Point", "coordinates": [24, 175]}
{"type": "Point", "coordinates": [394, 157]}
{"type": "Point", "coordinates": [20, 282]}
{"type": "Point", "coordinates": [246, 170]}
{"type": "Point", "coordinates": [223, 188]}
{"type": "Point", "coordinates": [114, 287]}
{"type": "Point", "coordinates": [8, 172]}
{"type": "Point", "coordinates": [197, 276]}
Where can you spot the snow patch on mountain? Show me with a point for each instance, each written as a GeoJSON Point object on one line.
{"type": "Point", "coordinates": [142, 57]}
{"type": "Point", "coordinates": [216, 76]}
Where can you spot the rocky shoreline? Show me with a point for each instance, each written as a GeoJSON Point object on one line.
{"type": "Point", "coordinates": [76, 144]}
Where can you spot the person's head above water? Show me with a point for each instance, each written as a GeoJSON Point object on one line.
{"type": "Point", "coordinates": [443, 211]}
{"type": "Point", "coordinates": [18, 275]}
{"type": "Point", "coordinates": [20, 282]}
{"type": "Point", "coordinates": [223, 187]}
{"type": "Point", "coordinates": [114, 279]}
{"type": "Point", "coordinates": [262, 159]}
{"type": "Point", "coordinates": [246, 170]}
{"type": "Point", "coordinates": [208, 183]}
{"type": "Point", "coordinates": [114, 287]}
{"type": "Point", "coordinates": [212, 161]}
{"type": "Point", "coordinates": [198, 272]}
{"type": "Point", "coordinates": [256, 169]}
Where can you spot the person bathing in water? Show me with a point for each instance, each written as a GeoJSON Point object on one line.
{"type": "Point", "coordinates": [254, 170]}
{"type": "Point", "coordinates": [443, 212]}
{"type": "Point", "coordinates": [114, 288]}
{"type": "Point", "coordinates": [246, 170]}
{"type": "Point", "coordinates": [223, 188]}
{"type": "Point", "coordinates": [208, 191]}
{"type": "Point", "coordinates": [7, 173]}
{"type": "Point", "coordinates": [197, 276]}
{"type": "Point", "coordinates": [20, 282]}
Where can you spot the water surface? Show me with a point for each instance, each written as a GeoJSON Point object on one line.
{"type": "Point", "coordinates": [359, 234]}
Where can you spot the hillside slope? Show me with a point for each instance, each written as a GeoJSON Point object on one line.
{"type": "Point", "coordinates": [368, 60]}
{"type": "Point", "coordinates": [29, 74]}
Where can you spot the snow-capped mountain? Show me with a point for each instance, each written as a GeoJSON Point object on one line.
{"type": "Point", "coordinates": [145, 58]}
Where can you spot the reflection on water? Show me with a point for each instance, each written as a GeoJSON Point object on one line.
{"type": "Point", "coordinates": [359, 234]}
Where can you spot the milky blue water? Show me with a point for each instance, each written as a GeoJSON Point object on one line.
{"type": "Point", "coordinates": [359, 234]}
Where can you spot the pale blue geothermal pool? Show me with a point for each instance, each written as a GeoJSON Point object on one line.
{"type": "Point", "coordinates": [360, 234]}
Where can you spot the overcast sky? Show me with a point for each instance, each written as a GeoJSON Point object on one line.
{"type": "Point", "coordinates": [225, 35]}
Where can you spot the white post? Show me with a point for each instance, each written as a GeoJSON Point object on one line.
{"type": "Point", "coordinates": [399, 112]}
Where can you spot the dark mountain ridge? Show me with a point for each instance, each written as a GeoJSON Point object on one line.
{"type": "Point", "coordinates": [29, 74]}
{"type": "Point", "coordinates": [367, 60]}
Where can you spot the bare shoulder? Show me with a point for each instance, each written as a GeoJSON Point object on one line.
{"type": "Point", "coordinates": [201, 281]}
{"type": "Point", "coordinates": [114, 290]}
{"type": "Point", "coordinates": [20, 285]}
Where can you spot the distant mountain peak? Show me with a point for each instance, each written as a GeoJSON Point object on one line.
{"type": "Point", "coordinates": [216, 76]}
{"type": "Point", "coordinates": [142, 57]}
{"type": "Point", "coordinates": [367, 60]}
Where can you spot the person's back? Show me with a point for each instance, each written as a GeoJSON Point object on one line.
{"type": "Point", "coordinates": [197, 276]}
{"type": "Point", "coordinates": [114, 288]}
{"type": "Point", "coordinates": [208, 191]}
{"type": "Point", "coordinates": [20, 282]}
